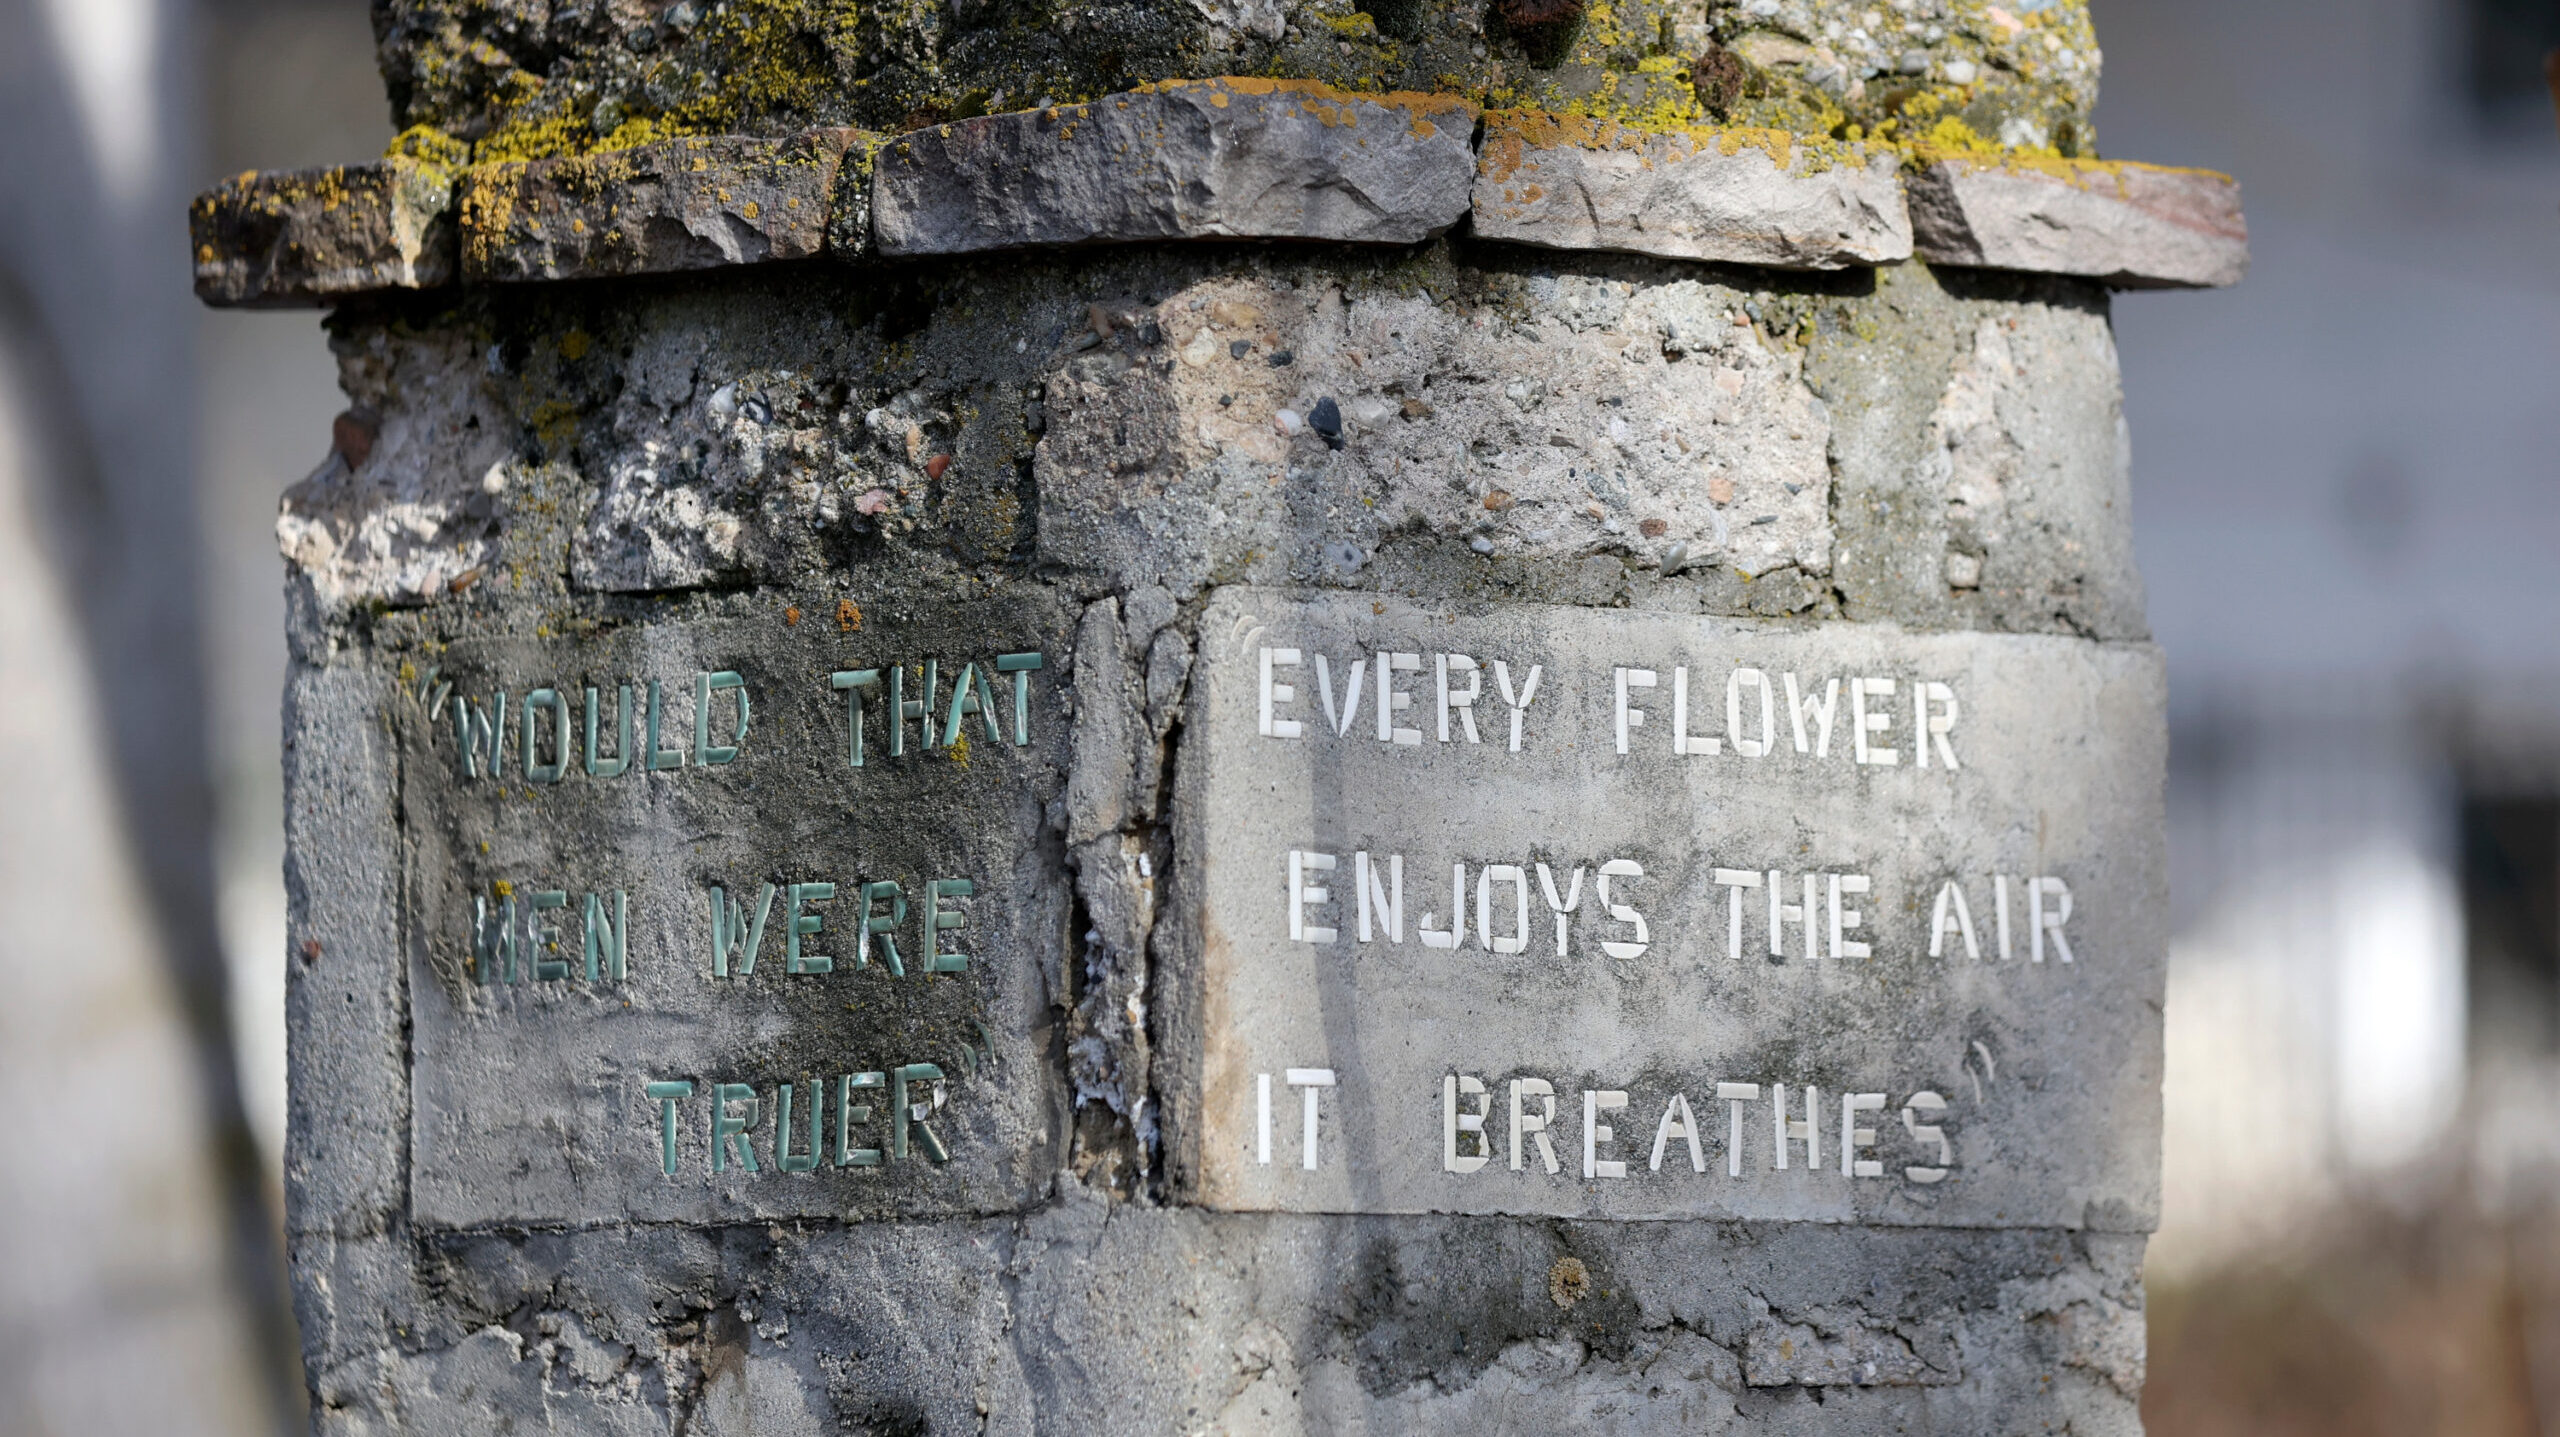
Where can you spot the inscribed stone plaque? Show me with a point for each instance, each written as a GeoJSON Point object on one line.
{"type": "Point", "coordinates": [565, 954]}
{"type": "Point", "coordinates": [1595, 912]}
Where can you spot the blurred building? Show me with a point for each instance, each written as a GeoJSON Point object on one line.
{"type": "Point", "coordinates": [139, 1276]}
{"type": "Point", "coordinates": [2347, 502]}
{"type": "Point", "coordinates": [142, 446]}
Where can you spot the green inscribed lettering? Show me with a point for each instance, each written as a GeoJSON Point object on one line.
{"type": "Point", "coordinates": [849, 1113]}
{"type": "Point", "coordinates": [799, 925]}
{"type": "Point", "coordinates": [535, 771]}
{"type": "Point", "coordinates": [542, 938]}
{"type": "Point", "coordinates": [479, 731]}
{"type": "Point", "coordinates": [705, 752]}
{"type": "Point", "coordinates": [902, 708]}
{"type": "Point", "coordinates": [852, 682]}
{"type": "Point", "coordinates": [883, 925]}
{"type": "Point", "coordinates": [964, 702]}
{"type": "Point", "coordinates": [1021, 667]}
{"type": "Point", "coordinates": [732, 936]}
{"type": "Point", "coordinates": [493, 940]}
{"type": "Point", "coordinates": [906, 1121]}
{"type": "Point", "coordinates": [783, 1157]}
{"type": "Point", "coordinates": [608, 938]}
{"type": "Point", "coordinates": [729, 1129]}
{"type": "Point", "coordinates": [660, 758]}
{"type": "Point", "coordinates": [940, 920]}
{"type": "Point", "coordinates": [599, 766]}
{"type": "Point", "coordinates": [668, 1095]}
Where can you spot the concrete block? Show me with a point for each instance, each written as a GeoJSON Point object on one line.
{"type": "Point", "coordinates": [306, 238]}
{"type": "Point", "coordinates": [1229, 158]}
{"type": "Point", "coordinates": [2132, 226]}
{"type": "Point", "coordinates": [1754, 922]}
{"type": "Point", "coordinates": [565, 950]}
{"type": "Point", "coordinates": [1741, 196]}
{"type": "Point", "coordinates": [677, 205]}
{"type": "Point", "coordinates": [345, 1154]}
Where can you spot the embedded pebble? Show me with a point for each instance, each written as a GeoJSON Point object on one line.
{"type": "Point", "coordinates": [1326, 420]}
{"type": "Point", "coordinates": [1480, 544]}
{"type": "Point", "coordinates": [1288, 423]}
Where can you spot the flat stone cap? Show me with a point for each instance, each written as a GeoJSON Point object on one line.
{"type": "Point", "coordinates": [1209, 159]}
{"type": "Point", "coordinates": [1743, 196]}
{"type": "Point", "coordinates": [1228, 158]}
{"type": "Point", "coordinates": [2132, 226]}
{"type": "Point", "coordinates": [682, 204]}
{"type": "Point", "coordinates": [310, 237]}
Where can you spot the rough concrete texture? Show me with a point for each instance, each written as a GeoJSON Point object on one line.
{"type": "Point", "coordinates": [1741, 196]}
{"type": "Point", "coordinates": [1573, 427]}
{"type": "Point", "coordinates": [2131, 226]}
{"type": "Point", "coordinates": [523, 81]}
{"type": "Point", "coordinates": [791, 471]}
{"type": "Point", "coordinates": [1221, 159]}
{"type": "Point", "coordinates": [1089, 1316]}
{"type": "Point", "coordinates": [1980, 450]}
{"type": "Point", "coordinates": [676, 205]}
{"type": "Point", "coordinates": [410, 505]}
{"type": "Point", "coordinates": [311, 237]}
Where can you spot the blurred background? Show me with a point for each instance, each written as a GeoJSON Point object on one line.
{"type": "Point", "coordinates": [2347, 501]}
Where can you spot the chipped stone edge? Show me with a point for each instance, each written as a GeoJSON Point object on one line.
{"type": "Point", "coordinates": [510, 213]}
{"type": "Point", "coordinates": [933, 190]}
{"type": "Point", "coordinates": [436, 228]}
{"type": "Point", "coordinates": [305, 238]}
{"type": "Point", "coordinates": [2206, 247]}
{"type": "Point", "coordinates": [1808, 171]}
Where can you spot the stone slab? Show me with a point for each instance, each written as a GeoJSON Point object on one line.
{"type": "Point", "coordinates": [306, 238]}
{"type": "Point", "coordinates": [530, 1074]}
{"type": "Point", "coordinates": [1740, 196]}
{"type": "Point", "coordinates": [680, 204]}
{"type": "Point", "coordinates": [2132, 226]}
{"type": "Point", "coordinates": [1229, 159]}
{"type": "Point", "coordinates": [2044, 1068]}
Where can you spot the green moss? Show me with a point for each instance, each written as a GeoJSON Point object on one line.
{"type": "Point", "coordinates": [773, 66]}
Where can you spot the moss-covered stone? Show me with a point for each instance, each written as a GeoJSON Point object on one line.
{"type": "Point", "coordinates": [306, 237]}
{"type": "Point", "coordinates": [518, 82]}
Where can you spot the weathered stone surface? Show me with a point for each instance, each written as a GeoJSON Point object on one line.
{"type": "Point", "coordinates": [1229, 159]}
{"type": "Point", "coordinates": [1640, 420]}
{"type": "Point", "coordinates": [806, 470]}
{"type": "Point", "coordinates": [1742, 196]}
{"type": "Point", "coordinates": [1983, 479]}
{"type": "Point", "coordinates": [532, 1054]}
{"type": "Point", "coordinates": [675, 205]}
{"type": "Point", "coordinates": [1888, 941]}
{"type": "Point", "coordinates": [2131, 226]}
{"type": "Point", "coordinates": [310, 237]}
{"type": "Point", "coordinates": [344, 1173]}
{"type": "Point", "coordinates": [1089, 1316]}
{"type": "Point", "coordinates": [527, 79]}
{"type": "Point", "coordinates": [419, 510]}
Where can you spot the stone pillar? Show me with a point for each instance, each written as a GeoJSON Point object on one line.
{"type": "Point", "coordinates": [1224, 717]}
